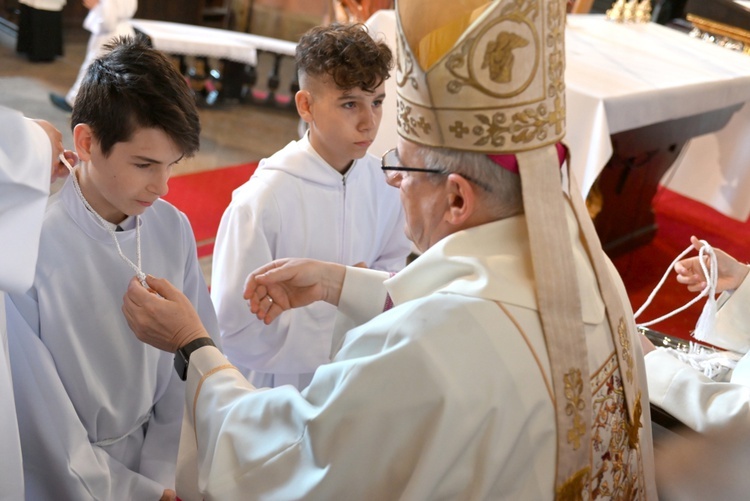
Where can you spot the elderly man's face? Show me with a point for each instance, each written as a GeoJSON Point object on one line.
{"type": "Point", "coordinates": [424, 199]}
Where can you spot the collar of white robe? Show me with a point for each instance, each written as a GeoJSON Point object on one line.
{"type": "Point", "coordinates": [135, 266]}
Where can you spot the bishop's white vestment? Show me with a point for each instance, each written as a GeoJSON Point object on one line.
{"type": "Point", "coordinates": [99, 411]}
{"type": "Point", "coordinates": [445, 396]}
{"type": "Point", "coordinates": [297, 205]}
{"type": "Point", "coordinates": [25, 167]}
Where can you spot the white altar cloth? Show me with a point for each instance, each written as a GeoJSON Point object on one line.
{"type": "Point", "coordinates": [714, 168]}
{"type": "Point", "coordinates": [625, 76]}
{"type": "Point", "coordinates": [189, 40]}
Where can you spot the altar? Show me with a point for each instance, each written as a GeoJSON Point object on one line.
{"type": "Point", "coordinates": [636, 95]}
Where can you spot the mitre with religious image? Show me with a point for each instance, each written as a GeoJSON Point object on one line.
{"type": "Point", "coordinates": [481, 76]}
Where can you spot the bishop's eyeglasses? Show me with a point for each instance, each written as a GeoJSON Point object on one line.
{"type": "Point", "coordinates": [390, 164]}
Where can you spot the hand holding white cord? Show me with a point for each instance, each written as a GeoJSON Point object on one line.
{"type": "Point", "coordinates": [707, 263]}
{"type": "Point", "coordinates": [730, 272]}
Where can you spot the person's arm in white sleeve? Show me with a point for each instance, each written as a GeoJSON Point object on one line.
{"type": "Point", "coordinates": [244, 242]}
{"type": "Point", "coordinates": [28, 150]}
{"type": "Point", "coordinates": [697, 401]}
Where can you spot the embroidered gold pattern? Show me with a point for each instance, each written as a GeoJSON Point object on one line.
{"type": "Point", "coordinates": [409, 123]}
{"type": "Point", "coordinates": [498, 56]}
{"type": "Point", "coordinates": [572, 489]}
{"type": "Point", "coordinates": [490, 129]}
{"type": "Point", "coordinates": [622, 332]}
{"type": "Point", "coordinates": [556, 68]}
{"type": "Point", "coordinates": [458, 129]}
{"type": "Point", "coordinates": [404, 64]}
{"type": "Point", "coordinates": [617, 467]}
{"type": "Point", "coordinates": [507, 74]}
{"type": "Point", "coordinates": [635, 426]}
{"type": "Point", "coordinates": [575, 406]}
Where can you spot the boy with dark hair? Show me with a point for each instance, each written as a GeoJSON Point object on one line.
{"type": "Point", "coordinates": [100, 415]}
{"type": "Point", "coordinates": [321, 197]}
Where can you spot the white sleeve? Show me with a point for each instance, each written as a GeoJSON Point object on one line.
{"type": "Point", "coordinates": [363, 294]}
{"type": "Point", "coordinates": [300, 339]}
{"type": "Point", "coordinates": [25, 167]}
{"type": "Point", "coordinates": [269, 441]}
{"type": "Point", "coordinates": [732, 328]}
{"type": "Point", "coordinates": [699, 402]}
{"type": "Point", "coordinates": [243, 244]}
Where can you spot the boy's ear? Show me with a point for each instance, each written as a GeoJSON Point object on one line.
{"type": "Point", "coordinates": [303, 99]}
{"type": "Point", "coordinates": [83, 140]}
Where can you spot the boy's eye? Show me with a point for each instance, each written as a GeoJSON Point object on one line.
{"type": "Point", "coordinates": [350, 104]}
{"type": "Point", "coordinates": [143, 166]}
{"type": "Point", "coordinates": [377, 102]}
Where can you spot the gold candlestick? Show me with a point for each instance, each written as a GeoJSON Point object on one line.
{"type": "Point", "coordinates": [615, 12]}
{"type": "Point", "coordinates": [628, 13]}
{"type": "Point", "coordinates": [643, 12]}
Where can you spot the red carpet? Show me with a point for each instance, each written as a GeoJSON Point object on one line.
{"type": "Point", "coordinates": [203, 196]}
{"type": "Point", "coordinates": [678, 218]}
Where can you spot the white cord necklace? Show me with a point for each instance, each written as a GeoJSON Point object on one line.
{"type": "Point", "coordinates": [706, 320]}
{"type": "Point", "coordinates": [107, 226]}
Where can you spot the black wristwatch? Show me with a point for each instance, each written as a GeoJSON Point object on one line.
{"type": "Point", "coordinates": [182, 356]}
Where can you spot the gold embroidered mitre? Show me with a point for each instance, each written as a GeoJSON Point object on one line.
{"type": "Point", "coordinates": [481, 76]}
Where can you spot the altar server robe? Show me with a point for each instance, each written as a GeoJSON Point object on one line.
{"type": "Point", "coordinates": [297, 205]}
{"type": "Point", "coordinates": [99, 411]}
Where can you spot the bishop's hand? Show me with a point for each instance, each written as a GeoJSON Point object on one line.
{"type": "Point", "coordinates": [161, 316]}
{"type": "Point", "coordinates": [291, 283]}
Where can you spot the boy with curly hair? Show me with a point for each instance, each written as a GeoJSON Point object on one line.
{"type": "Point", "coordinates": [321, 197]}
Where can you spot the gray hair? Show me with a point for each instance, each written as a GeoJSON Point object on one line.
{"type": "Point", "coordinates": [500, 189]}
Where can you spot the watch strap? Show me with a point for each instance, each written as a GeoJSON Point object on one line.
{"type": "Point", "coordinates": [182, 355]}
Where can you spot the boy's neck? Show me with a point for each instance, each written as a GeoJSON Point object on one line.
{"type": "Point", "coordinates": [346, 168]}
{"type": "Point", "coordinates": [341, 169]}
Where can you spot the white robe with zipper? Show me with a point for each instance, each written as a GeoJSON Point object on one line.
{"type": "Point", "coordinates": [297, 205]}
